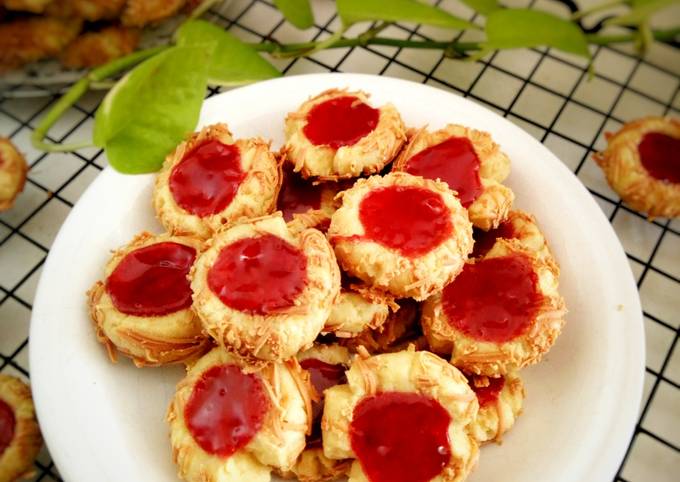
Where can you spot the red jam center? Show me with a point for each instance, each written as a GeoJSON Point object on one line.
{"type": "Point", "coordinates": [7, 424]}
{"type": "Point", "coordinates": [226, 409]}
{"type": "Point", "coordinates": [323, 375]}
{"type": "Point", "coordinates": [152, 281]}
{"type": "Point", "coordinates": [207, 179]}
{"type": "Point", "coordinates": [484, 240]}
{"type": "Point", "coordinates": [494, 299]}
{"type": "Point", "coordinates": [660, 156]}
{"type": "Point", "coordinates": [341, 121]}
{"type": "Point", "coordinates": [453, 161]}
{"type": "Point", "coordinates": [297, 196]}
{"type": "Point", "coordinates": [259, 275]}
{"type": "Point", "coordinates": [488, 394]}
{"type": "Point", "coordinates": [400, 437]}
{"type": "Point", "coordinates": [409, 219]}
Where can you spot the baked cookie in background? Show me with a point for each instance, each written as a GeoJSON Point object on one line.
{"type": "Point", "coordinates": [264, 291]}
{"type": "Point", "coordinates": [305, 204]}
{"type": "Point", "coordinates": [20, 439]}
{"type": "Point", "coordinates": [402, 234]}
{"type": "Point", "coordinates": [470, 162]}
{"type": "Point", "coordinates": [142, 308]}
{"type": "Point", "coordinates": [502, 313]}
{"type": "Point", "coordinates": [29, 39]}
{"type": "Point", "coordinates": [100, 47]}
{"type": "Point", "coordinates": [403, 417]}
{"type": "Point", "coordinates": [13, 169]}
{"type": "Point", "coordinates": [642, 164]}
{"type": "Point", "coordinates": [212, 180]}
{"type": "Point", "coordinates": [500, 403]}
{"type": "Point", "coordinates": [338, 135]}
{"type": "Point", "coordinates": [326, 366]}
{"type": "Point", "coordinates": [519, 225]}
{"type": "Point", "coordinates": [400, 329]}
{"type": "Point", "coordinates": [233, 420]}
{"type": "Point", "coordinates": [357, 309]}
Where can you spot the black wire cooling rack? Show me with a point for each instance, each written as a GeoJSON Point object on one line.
{"type": "Point", "coordinates": [545, 92]}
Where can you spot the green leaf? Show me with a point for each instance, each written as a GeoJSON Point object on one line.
{"type": "Point", "coordinates": [641, 11]}
{"type": "Point", "coordinates": [485, 7]}
{"type": "Point", "coordinates": [152, 109]}
{"type": "Point", "coordinates": [297, 12]}
{"type": "Point", "coordinates": [353, 11]}
{"type": "Point", "coordinates": [517, 28]}
{"type": "Point", "coordinates": [233, 62]}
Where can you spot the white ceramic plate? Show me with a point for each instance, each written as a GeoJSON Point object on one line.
{"type": "Point", "coordinates": [105, 422]}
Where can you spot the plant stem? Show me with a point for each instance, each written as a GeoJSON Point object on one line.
{"type": "Point", "coordinates": [597, 8]}
{"type": "Point", "coordinates": [660, 35]}
{"type": "Point", "coordinates": [311, 47]}
{"type": "Point", "coordinates": [79, 89]}
{"type": "Point", "coordinates": [369, 37]}
{"type": "Point", "coordinates": [277, 49]}
{"type": "Point", "coordinates": [295, 49]}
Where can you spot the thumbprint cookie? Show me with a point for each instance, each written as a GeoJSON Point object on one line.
{"type": "Point", "coordinates": [400, 329]}
{"type": "Point", "coordinates": [503, 312]}
{"type": "Point", "coordinates": [325, 366]}
{"type": "Point", "coordinates": [306, 205]}
{"type": "Point", "coordinates": [13, 170]}
{"type": "Point", "coordinates": [500, 403]}
{"type": "Point", "coordinates": [143, 306]}
{"type": "Point", "coordinates": [518, 225]}
{"type": "Point", "coordinates": [402, 234]}
{"type": "Point", "coordinates": [470, 162]}
{"type": "Point", "coordinates": [264, 291]}
{"type": "Point", "coordinates": [231, 421]}
{"type": "Point", "coordinates": [642, 164]}
{"type": "Point", "coordinates": [403, 417]}
{"type": "Point", "coordinates": [337, 135]}
{"type": "Point", "coordinates": [212, 180]}
{"type": "Point", "coordinates": [20, 439]}
{"type": "Point", "coordinates": [357, 309]}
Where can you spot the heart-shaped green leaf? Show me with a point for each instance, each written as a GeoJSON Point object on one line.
{"type": "Point", "coordinates": [518, 28]}
{"type": "Point", "coordinates": [641, 11]}
{"type": "Point", "coordinates": [485, 7]}
{"type": "Point", "coordinates": [353, 11]}
{"type": "Point", "coordinates": [153, 108]}
{"type": "Point", "coordinates": [297, 12]}
{"type": "Point", "coordinates": [233, 62]}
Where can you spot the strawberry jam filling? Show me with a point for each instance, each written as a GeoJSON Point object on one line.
{"type": "Point", "coordinates": [259, 275]}
{"type": "Point", "coordinates": [226, 409]}
{"type": "Point", "coordinates": [341, 121]}
{"type": "Point", "coordinates": [207, 179]}
{"type": "Point", "coordinates": [453, 161]}
{"type": "Point", "coordinates": [152, 281]}
{"type": "Point", "coordinates": [400, 437]}
{"type": "Point", "coordinates": [7, 425]}
{"type": "Point", "coordinates": [411, 220]}
{"type": "Point", "coordinates": [484, 240]}
{"type": "Point", "coordinates": [660, 156]}
{"type": "Point", "coordinates": [297, 196]}
{"type": "Point", "coordinates": [488, 394]}
{"type": "Point", "coordinates": [323, 375]}
{"type": "Point", "coordinates": [493, 300]}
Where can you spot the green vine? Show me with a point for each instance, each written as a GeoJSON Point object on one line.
{"type": "Point", "coordinates": [172, 112]}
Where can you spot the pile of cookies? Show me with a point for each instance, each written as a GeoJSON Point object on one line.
{"type": "Point", "coordinates": [80, 33]}
{"type": "Point", "coordinates": [358, 304]}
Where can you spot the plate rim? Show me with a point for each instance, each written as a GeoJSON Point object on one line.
{"type": "Point", "coordinates": [627, 415]}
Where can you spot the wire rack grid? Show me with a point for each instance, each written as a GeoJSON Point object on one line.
{"type": "Point", "coordinates": [546, 92]}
